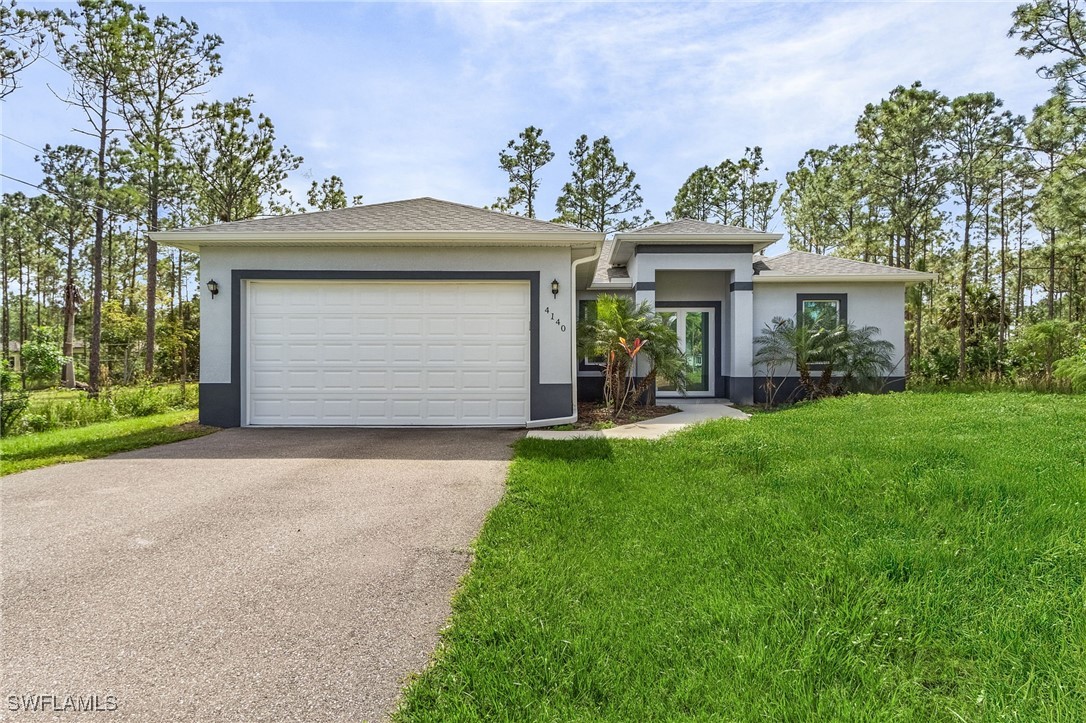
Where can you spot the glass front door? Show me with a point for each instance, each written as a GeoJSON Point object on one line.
{"type": "Point", "coordinates": [694, 328]}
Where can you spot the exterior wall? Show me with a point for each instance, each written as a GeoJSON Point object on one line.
{"type": "Point", "coordinates": [868, 304]}
{"type": "Point", "coordinates": [674, 274]}
{"type": "Point", "coordinates": [220, 343]}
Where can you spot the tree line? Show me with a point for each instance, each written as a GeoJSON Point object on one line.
{"type": "Point", "coordinates": [156, 155]}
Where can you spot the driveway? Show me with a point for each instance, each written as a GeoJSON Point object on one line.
{"type": "Point", "coordinates": [248, 575]}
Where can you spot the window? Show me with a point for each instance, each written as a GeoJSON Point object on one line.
{"type": "Point", "coordinates": [824, 310]}
{"type": "Point", "coordinates": [825, 313]}
{"type": "Point", "coordinates": [586, 312]}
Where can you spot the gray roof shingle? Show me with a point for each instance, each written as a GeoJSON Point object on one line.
{"type": "Point", "coordinates": [413, 215]}
{"type": "Point", "coordinates": [803, 263]}
{"type": "Point", "coordinates": [694, 227]}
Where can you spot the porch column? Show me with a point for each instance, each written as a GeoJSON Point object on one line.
{"type": "Point", "coordinates": [644, 290]}
{"type": "Point", "coordinates": [741, 384]}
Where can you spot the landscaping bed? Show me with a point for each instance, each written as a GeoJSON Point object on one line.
{"type": "Point", "coordinates": [591, 415]}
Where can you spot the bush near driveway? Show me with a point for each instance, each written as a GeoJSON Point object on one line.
{"type": "Point", "coordinates": [898, 557]}
{"type": "Point", "coordinates": [63, 408]}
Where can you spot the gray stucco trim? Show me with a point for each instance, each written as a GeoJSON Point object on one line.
{"type": "Point", "coordinates": [551, 401]}
{"type": "Point", "coordinates": [720, 386]}
{"type": "Point", "coordinates": [225, 402]}
{"type": "Point", "coordinates": [787, 388]}
{"type": "Point", "coordinates": [219, 405]}
{"type": "Point", "coordinates": [741, 389]}
{"type": "Point", "coordinates": [741, 286]}
{"type": "Point", "coordinates": [695, 249]}
{"type": "Point", "coordinates": [645, 286]}
{"type": "Point", "coordinates": [841, 299]}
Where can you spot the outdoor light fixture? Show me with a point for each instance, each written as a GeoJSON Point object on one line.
{"type": "Point", "coordinates": [213, 287]}
{"type": "Point", "coordinates": [554, 288]}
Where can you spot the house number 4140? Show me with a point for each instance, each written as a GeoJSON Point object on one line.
{"type": "Point", "coordinates": [557, 322]}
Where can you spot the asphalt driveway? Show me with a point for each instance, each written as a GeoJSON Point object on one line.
{"type": "Point", "coordinates": [248, 575]}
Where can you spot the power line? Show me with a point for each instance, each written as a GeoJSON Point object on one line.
{"type": "Point", "coordinates": [60, 196]}
{"type": "Point", "coordinates": [21, 143]}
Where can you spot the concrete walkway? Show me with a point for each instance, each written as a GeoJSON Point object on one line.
{"type": "Point", "coordinates": [692, 412]}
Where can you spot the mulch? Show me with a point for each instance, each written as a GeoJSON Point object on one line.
{"type": "Point", "coordinates": [590, 414]}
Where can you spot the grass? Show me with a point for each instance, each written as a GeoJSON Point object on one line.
{"type": "Point", "coordinates": [58, 408]}
{"type": "Point", "coordinates": [97, 440]}
{"type": "Point", "coordinates": [907, 557]}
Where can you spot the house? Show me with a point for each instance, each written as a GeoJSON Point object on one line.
{"type": "Point", "coordinates": [426, 312]}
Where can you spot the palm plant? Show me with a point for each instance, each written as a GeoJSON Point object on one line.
{"type": "Point", "coordinates": [856, 352]}
{"type": "Point", "coordinates": [622, 332]}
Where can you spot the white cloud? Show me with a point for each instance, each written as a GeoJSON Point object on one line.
{"type": "Point", "coordinates": [406, 100]}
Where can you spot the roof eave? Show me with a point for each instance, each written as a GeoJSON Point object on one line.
{"type": "Point", "coordinates": [771, 277]}
{"type": "Point", "coordinates": [193, 240]}
{"type": "Point", "coordinates": [701, 238]}
{"type": "Point", "coordinates": [622, 249]}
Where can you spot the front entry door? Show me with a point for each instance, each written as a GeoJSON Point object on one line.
{"type": "Point", "coordinates": [694, 327]}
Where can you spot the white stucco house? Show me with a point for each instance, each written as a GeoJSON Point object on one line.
{"type": "Point", "coordinates": [426, 312]}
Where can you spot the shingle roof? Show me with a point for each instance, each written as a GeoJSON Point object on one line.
{"type": "Point", "coordinates": [606, 274]}
{"type": "Point", "coordinates": [413, 215]}
{"type": "Point", "coordinates": [694, 228]}
{"type": "Point", "coordinates": [802, 263]}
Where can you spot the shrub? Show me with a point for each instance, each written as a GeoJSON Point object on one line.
{"type": "Point", "coordinates": [1073, 369]}
{"type": "Point", "coordinates": [621, 332]}
{"type": "Point", "coordinates": [41, 355]}
{"type": "Point", "coordinates": [817, 351]}
{"type": "Point", "coordinates": [13, 400]}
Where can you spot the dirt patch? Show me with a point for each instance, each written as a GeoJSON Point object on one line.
{"type": "Point", "coordinates": [591, 415]}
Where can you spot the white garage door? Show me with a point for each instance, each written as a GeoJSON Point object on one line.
{"type": "Point", "coordinates": [345, 353]}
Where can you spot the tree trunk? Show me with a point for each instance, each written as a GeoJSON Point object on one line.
{"type": "Point", "coordinates": [964, 290]}
{"type": "Point", "coordinates": [22, 298]}
{"type": "Point", "coordinates": [152, 290]}
{"type": "Point", "coordinates": [5, 319]}
{"type": "Point", "coordinates": [68, 373]}
{"type": "Point", "coordinates": [1020, 292]}
{"type": "Point", "coordinates": [94, 364]}
{"type": "Point", "coordinates": [1001, 341]}
{"type": "Point", "coordinates": [1052, 274]}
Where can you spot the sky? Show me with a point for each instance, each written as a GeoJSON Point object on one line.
{"type": "Point", "coordinates": [417, 99]}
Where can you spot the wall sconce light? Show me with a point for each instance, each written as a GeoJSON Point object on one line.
{"type": "Point", "coordinates": [554, 288]}
{"type": "Point", "coordinates": [213, 287]}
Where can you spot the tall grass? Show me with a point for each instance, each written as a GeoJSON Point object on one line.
{"type": "Point", "coordinates": [59, 409]}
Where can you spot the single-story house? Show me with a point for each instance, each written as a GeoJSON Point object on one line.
{"type": "Point", "coordinates": [426, 312]}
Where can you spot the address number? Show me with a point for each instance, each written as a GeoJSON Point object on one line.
{"type": "Point", "coordinates": [557, 322]}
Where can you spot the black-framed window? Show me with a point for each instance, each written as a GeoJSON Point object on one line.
{"type": "Point", "coordinates": [586, 312]}
{"type": "Point", "coordinates": [824, 310]}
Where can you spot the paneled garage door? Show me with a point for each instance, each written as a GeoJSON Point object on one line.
{"type": "Point", "coordinates": [345, 353]}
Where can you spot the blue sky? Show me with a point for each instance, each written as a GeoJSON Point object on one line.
{"type": "Point", "coordinates": [412, 99]}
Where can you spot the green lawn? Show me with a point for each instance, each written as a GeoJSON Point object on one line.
{"type": "Point", "coordinates": [906, 557]}
{"type": "Point", "coordinates": [97, 440]}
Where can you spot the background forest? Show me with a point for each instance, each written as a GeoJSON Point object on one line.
{"type": "Point", "coordinates": [991, 200]}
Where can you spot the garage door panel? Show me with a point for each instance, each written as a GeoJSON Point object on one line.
{"type": "Point", "coordinates": [388, 353]}
{"type": "Point", "coordinates": [371, 326]}
{"type": "Point", "coordinates": [405, 326]}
